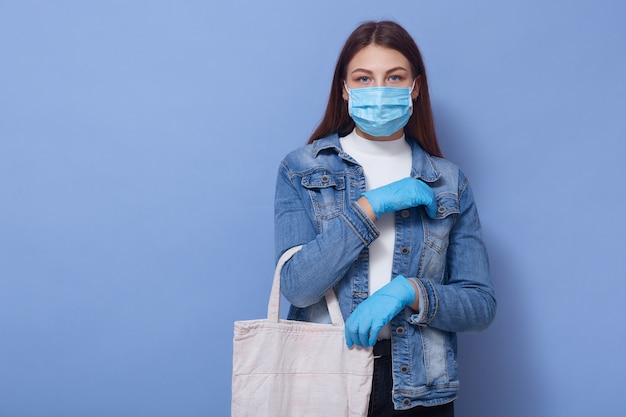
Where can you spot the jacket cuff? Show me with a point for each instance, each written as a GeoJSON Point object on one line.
{"type": "Point", "coordinates": [362, 225]}
{"type": "Point", "coordinates": [428, 302]}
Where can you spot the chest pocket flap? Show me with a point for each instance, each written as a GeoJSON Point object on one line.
{"type": "Point", "coordinates": [326, 191]}
{"type": "Point", "coordinates": [323, 179]}
{"type": "Point", "coordinates": [447, 204]}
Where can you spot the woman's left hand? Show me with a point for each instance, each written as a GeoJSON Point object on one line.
{"type": "Point", "coordinates": [369, 317]}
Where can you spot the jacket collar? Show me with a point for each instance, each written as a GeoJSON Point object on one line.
{"type": "Point", "coordinates": [424, 165]}
{"type": "Point", "coordinates": [329, 142]}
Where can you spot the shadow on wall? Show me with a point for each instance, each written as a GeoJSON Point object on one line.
{"type": "Point", "coordinates": [499, 373]}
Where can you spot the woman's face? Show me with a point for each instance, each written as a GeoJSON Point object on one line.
{"type": "Point", "coordinates": [377, 66]}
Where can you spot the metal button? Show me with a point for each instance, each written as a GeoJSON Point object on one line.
{"type": "Point", "coordinates": [400, 330]}
{"type": "Point", "coordinates": [406, 401]}
{"type": "Point", "coordinates": [405, 250]}
{"type": "Point", "coordinates": [404, 369]}
{"type": "Point", "coordinates": [441, 209]}
{"type": "Point", "coordinates": [405, 214]}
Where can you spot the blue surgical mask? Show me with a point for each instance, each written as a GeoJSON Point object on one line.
{"type": "Point", "coordinates": [380, 111]}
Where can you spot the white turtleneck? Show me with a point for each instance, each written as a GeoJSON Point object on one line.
{"type": "Point", "coordinates": [383, 163]}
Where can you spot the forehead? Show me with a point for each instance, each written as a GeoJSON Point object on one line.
{"type": "Point", "coordinates": [377, 58]}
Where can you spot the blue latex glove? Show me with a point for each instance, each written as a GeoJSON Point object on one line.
{"type": "Point", "coordinates": [402, 194]}
{"type": "Point", "coordinates": [369, 317]}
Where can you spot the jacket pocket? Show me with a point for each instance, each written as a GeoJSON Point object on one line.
{"type": "Point", "coordinates": [327, 193]}
{"type": "Point", "coordinates": [436, 237]}
{"type": "Point", "coordinates": [440, 362]}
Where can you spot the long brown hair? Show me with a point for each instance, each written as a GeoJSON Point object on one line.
{"type": "Point", "coordinates": [420, 127]}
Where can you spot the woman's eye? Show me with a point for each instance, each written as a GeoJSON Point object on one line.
{"type": "Point", "coordinates": [364, 79]}
{"type": "Point", "coordinates": [394, 78]}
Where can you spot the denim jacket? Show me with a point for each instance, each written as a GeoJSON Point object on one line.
{"type": "Point", "coordinates": [315, 206]}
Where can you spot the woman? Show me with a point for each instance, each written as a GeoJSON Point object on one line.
{"type": "Point", "coordinates": [387, 223]}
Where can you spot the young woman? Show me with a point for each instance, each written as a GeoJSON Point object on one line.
{"type": "Point", "coordinates": [387, 223]}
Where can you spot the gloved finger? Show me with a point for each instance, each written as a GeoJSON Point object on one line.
{"type": "Point", "coordinates": [350, 330]}
{"type": "Point", "coordinates": [374, 331]}
{"type": "Point", "coordinates": [364, 333]}
{"type": "Point", "coordinates": [363, 336]}
{"type": "Point", "coordinates": [349, 341]}
{"type": "Point", "coordinates": [431, 208]}
{"type": "Point", "coordinates": [357, 328]}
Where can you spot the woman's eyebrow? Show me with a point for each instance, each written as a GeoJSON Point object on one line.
{"type": "Point", "coordinates": [399, 68]}
{"type": "Point", "coordinates": [361, 70]}
{"type": "Point", "coordinates": [386, 72]}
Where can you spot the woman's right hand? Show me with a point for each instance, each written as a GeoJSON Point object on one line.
{"type": "Point", "coordinates": [402, 194]}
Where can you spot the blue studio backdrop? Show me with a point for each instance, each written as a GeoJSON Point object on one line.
{"type": "Point", "coordinates": [139, 145]}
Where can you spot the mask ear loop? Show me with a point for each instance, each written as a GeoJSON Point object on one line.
{"type": "Point", "coordinates": [347, 91]}
{"type": "Point", "coordinates": [413, 100]}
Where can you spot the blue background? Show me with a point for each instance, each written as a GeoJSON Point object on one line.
{"type": "Point", "coordinates": [139, 143]}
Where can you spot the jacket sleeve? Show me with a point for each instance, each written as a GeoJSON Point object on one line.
{"type": "Point", "coordinates": [466, 300]}
{"type": "Point", "coordinates": [327, 252]}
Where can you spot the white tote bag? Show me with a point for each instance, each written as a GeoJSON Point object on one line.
{"type": "Point", "coordinates": [285, 368]}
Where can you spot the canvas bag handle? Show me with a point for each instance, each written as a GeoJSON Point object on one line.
{"type": "Point", "coordinates": [273, 308]}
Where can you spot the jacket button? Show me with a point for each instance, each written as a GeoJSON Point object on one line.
{"type": "Point", "coordinates": [406, 401]}
{"type": "Point", "coordinates": [400, 330]}
{"type": "Point", "coordinates": [405, 214]}
{"type": "Point", "coordinates": [404, 369]}
{"type": "Point", "coordinates": [405, 250]}
{"type": "Point", "coordinates": [441, 209]}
